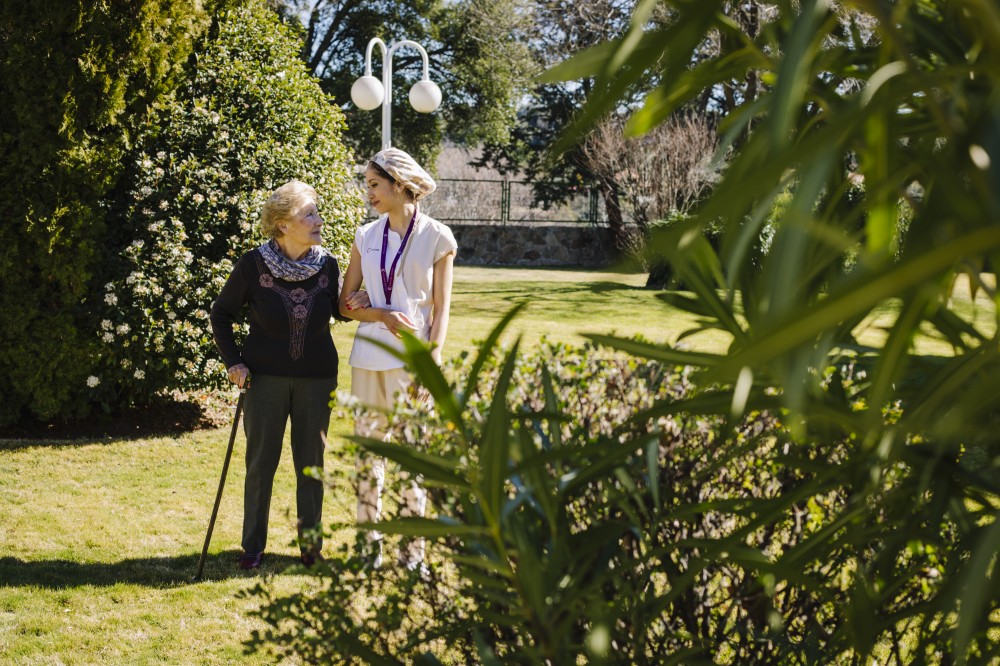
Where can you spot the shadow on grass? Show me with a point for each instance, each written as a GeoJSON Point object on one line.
{"type": "Point", "coordinates": [160, 572]}
{"type": "Point", "coordinates": [166, 416]}
{"type": "Point", "coordinates": [551, 291]}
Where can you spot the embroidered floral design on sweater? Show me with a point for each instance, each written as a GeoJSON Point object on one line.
{"type": "Point", "coordinates": [298, 304]}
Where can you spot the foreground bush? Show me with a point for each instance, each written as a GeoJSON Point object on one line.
{"type": "Point", "coordinates": [904, 96]}
{"type": "Point", "coordinates": [576, 514]}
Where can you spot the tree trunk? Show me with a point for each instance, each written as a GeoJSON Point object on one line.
{"type": "Point", "coordinates": [613, 208]}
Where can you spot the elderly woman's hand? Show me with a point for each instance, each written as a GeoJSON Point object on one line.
{"type": "Point", "coordinates": [238, 374]}
{"type": "Point", "coordinates": [358, 300]}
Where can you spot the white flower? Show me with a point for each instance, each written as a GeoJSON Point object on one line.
{"type": "Point", "coordinates": [181, 302]}
{"type": "Point", "coordinates": [110, 299]}
{"type": "Point", "coordinates": [105, 324]}
{"type": "Point", "coordinates": [109, 286]}
{"type": "Point", "coordinates": [108, 337]}
{"type": "Point", "coordinates": [123, 329]}
{"type": "Point", "coordinates": [139, 374]}
{"type": "Point", "coordinates": [198, 198]}
{"type": "Point", "coordinates": [93, 381]}
{"type": "Point", "coordinates": [171, 315]}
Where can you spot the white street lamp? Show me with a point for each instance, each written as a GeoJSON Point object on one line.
{"type": "Point", "coordinates": [368, 92]}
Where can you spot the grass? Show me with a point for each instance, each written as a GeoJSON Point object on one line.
{"type": "Point", "coordinates": [100, 539]}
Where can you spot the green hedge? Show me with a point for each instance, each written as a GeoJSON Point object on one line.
{"type": "Point", "coordinates": [74, 77]}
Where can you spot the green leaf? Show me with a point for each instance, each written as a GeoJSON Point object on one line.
{"type": "Point", "coordinates": [674, 93]}
{"type": "Point", "coordinates": [551, 406]}
{"type": "Point", "coordinates": [858, 296]}
{"type": "Point", "coordinates": [662, 353]}
{"type": "Point", "coordinates": [653, 471]}
{"type": "Point", "coordinates": [495, 451]}
{"type": "Point", "coordinates": [425, 527]}
{"type": "Point", "coordinates": [891, 361]}
{"type": "Point", "coordinates": [417, 356]}
{"type": "Point", "coordinates": [611, 455]}
{"type": "Point", "coordinates": [431, 467]}
{"type": "Point", "coordinates": [580, 65]}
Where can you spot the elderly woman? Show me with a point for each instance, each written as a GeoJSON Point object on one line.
{"type": "Point", "coordinates": [405, 259]}
{"type": "Point", "coordinates": [289, 287]}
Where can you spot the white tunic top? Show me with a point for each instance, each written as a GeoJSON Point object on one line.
{"type": "Point", "coordinates": [412, 291]}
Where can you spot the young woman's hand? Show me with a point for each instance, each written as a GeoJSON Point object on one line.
{"type": "Point", "coordinates": [397, 321]}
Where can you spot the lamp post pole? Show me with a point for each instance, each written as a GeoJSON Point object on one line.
{"type": "Point", "coordinates": [368, 93]}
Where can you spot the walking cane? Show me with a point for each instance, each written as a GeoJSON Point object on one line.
{"type": "Point", "coordinates": [222, 481]}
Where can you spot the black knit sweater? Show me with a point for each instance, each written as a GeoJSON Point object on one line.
{"type": "Point", "coordinates": [289, 321]}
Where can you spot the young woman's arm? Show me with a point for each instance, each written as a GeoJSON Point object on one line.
{"type": "Point", "coordinates": [443, 276]}
{"type": "Point", "coordinates": [392, 320]}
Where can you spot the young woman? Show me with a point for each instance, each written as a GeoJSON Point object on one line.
{"type": "Point", "coordinates": [289, 286]}
{"type": "Point", "coordinates": [405, 260]}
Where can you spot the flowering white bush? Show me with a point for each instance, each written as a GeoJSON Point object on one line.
{"type": "Point", "coordinates": [248, 119]}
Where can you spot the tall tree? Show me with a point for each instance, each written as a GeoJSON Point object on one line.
{"type": "Point", "coordinates": [564, 28]}
{"type": "Point", "coordinates": [477, 55]}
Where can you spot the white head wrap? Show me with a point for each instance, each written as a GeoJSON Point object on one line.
{"type": "Point", "coordinates": [405, 170]}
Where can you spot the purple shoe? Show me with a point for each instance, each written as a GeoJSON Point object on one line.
{"type": "Point", "coordinates": [310, 558]}
{"type": "Point", "coordinates": [250, 562]}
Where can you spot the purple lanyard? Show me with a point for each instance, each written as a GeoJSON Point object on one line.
{"type": "Point", "coordinates": [388, 280]}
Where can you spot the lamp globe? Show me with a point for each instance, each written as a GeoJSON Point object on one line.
{"type": "Point", "coordinates": [367, 93]}
{"type": "Point", "coordinates": [425, 96]}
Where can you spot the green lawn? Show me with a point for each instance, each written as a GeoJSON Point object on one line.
{"type": "Point", "coordinates": [99, 539]}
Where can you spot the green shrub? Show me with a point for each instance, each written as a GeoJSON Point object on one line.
{"type": "Point", "coordinates": [247, 118]}
{"type": "Point", "coordinates": [74, 78]}
{"type": "Point", "coordinates": [588, 505]}
{"type": "Point", "coordinates": [576, 516]}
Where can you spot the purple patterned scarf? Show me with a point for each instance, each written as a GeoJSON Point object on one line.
{"type": "Point", "coordinates": [294, 271]}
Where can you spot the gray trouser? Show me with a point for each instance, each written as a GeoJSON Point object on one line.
{"type": "Point", "coordinates": [270, 402]}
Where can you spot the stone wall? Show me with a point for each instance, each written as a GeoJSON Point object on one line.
{"type": "Point", "coordinates": [537, 244]}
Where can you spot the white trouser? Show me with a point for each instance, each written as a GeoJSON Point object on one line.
{"type": "Point", "coordinates": [377, 388]}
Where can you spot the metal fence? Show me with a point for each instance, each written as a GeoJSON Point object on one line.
{"type": "Point", "coordinates": [504, 202]}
